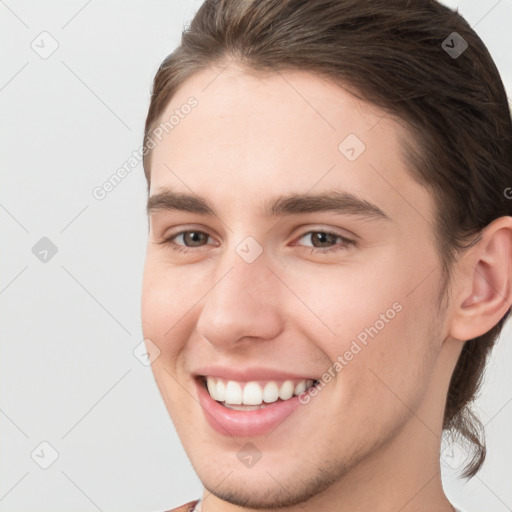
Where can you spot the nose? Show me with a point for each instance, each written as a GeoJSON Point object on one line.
{"type": "Point", "coordinates": [242, 303]}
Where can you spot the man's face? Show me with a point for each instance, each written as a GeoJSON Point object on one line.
{"type": "Point", "coordinates": [250, 291]}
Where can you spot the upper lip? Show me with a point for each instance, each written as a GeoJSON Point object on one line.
{"type": "Point", "coordinates": [247, 374]}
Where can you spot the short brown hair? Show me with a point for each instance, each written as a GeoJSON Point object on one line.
{"type": "Point", "coordinates": [390, 53]}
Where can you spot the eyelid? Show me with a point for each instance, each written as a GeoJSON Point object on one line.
{"type": "Point", "coordinates": [345, 244]}
{"type": "Point", "coordinates": [184, 228]}
{"type": "Point", "coordinates": [344, 233]}
{"type": "Point", "coordinates": [323, 229]}
{"type": "Point", "coordinates": [168, 236]}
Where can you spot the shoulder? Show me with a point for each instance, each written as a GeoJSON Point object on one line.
{"type": "Point", "coordinates": [187, 507]}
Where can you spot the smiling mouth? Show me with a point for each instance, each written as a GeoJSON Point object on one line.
{"type": "Point", "coordinates": [252, 395]}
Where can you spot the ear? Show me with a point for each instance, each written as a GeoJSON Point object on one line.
{"type": "Point", "coordinates": [485, 286]}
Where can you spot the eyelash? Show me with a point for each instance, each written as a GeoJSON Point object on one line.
{"type": "Point", "coordinates": [184, 249]}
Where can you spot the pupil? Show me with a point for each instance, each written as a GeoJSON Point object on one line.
{"type": "Point", "coordinates": [322, 237]}
{"type": "Point", "coordinates": [193, 236]}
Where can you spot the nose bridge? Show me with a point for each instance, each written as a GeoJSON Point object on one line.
{"type": "Point", "coordinates": [241, 301]}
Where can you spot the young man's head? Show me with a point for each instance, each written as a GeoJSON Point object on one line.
{"type": "Point", "coordinates": [329, 203]}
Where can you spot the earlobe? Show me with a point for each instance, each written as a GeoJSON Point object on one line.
{"type": "Point", "coordinates": [489, 283]}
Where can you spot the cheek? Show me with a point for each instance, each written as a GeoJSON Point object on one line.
{"type": "Point", "coordinates": [168, 300]}
{"type": "Point", "coordinates": [398, 350]}
{"type": "Point", "coordinates": [167, 306]}
{"type": "Point", "coordinates": [348, 298]}
{"type": "Point", "coordinates": [373, 317]}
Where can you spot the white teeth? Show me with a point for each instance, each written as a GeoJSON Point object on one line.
{"type": "Point", "coordinates": [286, 390]}
{"type": "Point", "coordinates": [251, 393]}
{"type": "Point", "coordinates": [212, 388]}
{"type": "Point", "coordinates": [300, 388]}
{"type": "Point", "coordinates": [270, 392]}
{"type": "Point", "coordinates": [221, 391]}
{"type": "Point", "coordinates": [233, 393]}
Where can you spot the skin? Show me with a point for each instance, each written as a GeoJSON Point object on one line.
{"type": "Point", "coordinates": [370, 439]}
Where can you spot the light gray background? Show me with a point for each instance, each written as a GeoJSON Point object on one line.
{"type": "Point", "coordinates": [70, 325]}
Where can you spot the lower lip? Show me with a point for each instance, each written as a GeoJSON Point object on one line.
{"type": "Point", "coordinates": [230, 422]}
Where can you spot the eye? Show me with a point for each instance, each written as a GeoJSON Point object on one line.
{"type": "Point", "coordinates": [321, 241]}
{"type": "Point", "coordinates": [328, 238]}
{"type": "Point", "coordinates": [190, 238]}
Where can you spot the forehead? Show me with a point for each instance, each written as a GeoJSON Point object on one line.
{"type": "Point", "coordinates": [287, 112]}
{"type": "Point", "coordinates": [292, 130]}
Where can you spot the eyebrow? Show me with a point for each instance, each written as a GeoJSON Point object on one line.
{"type": "Point", "coordinates": [335, 201]}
